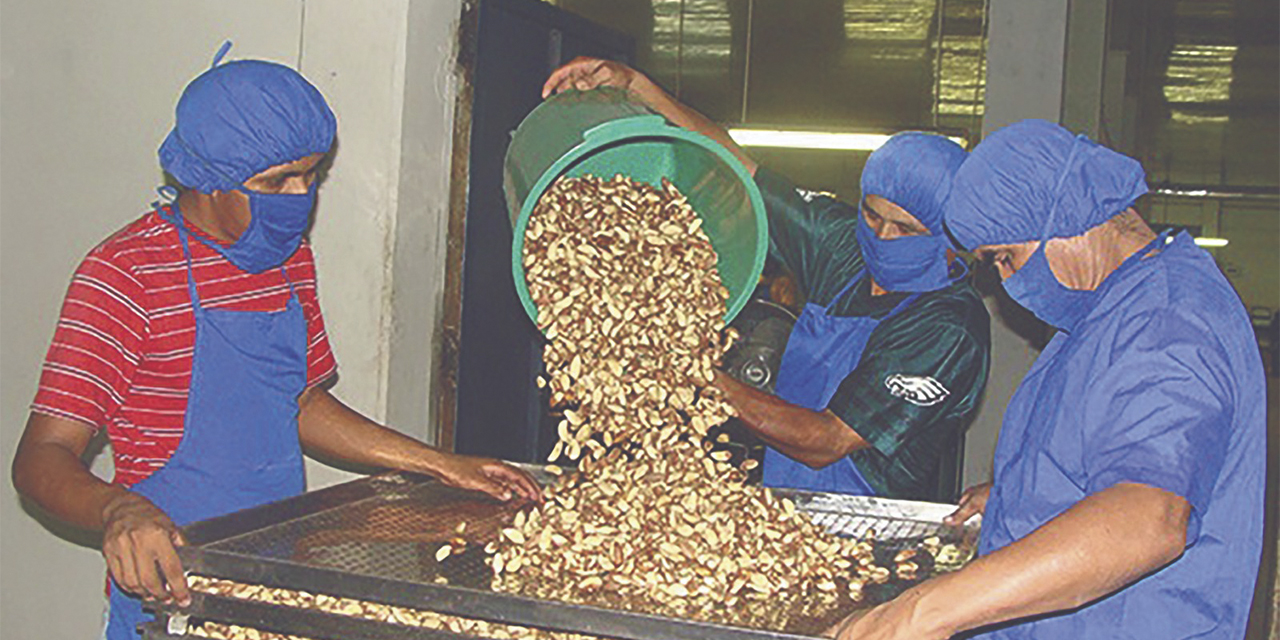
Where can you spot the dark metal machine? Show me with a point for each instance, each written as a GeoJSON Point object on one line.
{"type": "Point", "coordinates": [375, 539]}
{"type": "Point", "coordinates": [763, 329]}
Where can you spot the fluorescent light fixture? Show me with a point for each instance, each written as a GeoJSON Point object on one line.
{"type": "Point", "coordinates": [814, 139]}
{"type": "Point", "coordinates": [1212, 243]}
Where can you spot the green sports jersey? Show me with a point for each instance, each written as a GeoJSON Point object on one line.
{"type": "Point", "coordinates": [922, 372]}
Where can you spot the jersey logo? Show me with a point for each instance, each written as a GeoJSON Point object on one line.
{"type": "Point", "coordinates": [809, 196]}
{"type": "Point", "coordinates": [918, 390]}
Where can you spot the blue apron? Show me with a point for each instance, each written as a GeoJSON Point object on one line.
{"type": "Point", "coordinates": [239, 445]}
{"type": "Point", "coordinates": [822, 351]}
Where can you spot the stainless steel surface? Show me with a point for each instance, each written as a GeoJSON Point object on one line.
{"type": "Point", "coordinates": [375, 539]}
{"type": "Point", "coordinates": [315, 625]}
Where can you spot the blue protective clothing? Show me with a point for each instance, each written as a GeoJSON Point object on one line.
{"type": "Point", "coordinates": [904, 264]}
{"type": "Point", "coordinates": [823, 349]}
{"type": "Point", "coordinates": [240, 445]}
{"type": "Point", "coordinates": [276, 224]}
{"type": "Point", "coordinates": [240, 118]}
{"type": "Point", "coordinates": [921, 373]}
{"type": "Point", "coordinates": [1038, 290]}
{"type": "Point", "coordinates": [1032, 172]}
{"type": "Point", "coordinates": [913, 170]}
{"type": "Point", "coordinates": [1160, 383]}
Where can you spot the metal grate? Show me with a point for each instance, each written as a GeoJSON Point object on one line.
{"type": "Point", "coordinates": [394, 535]}
{"type": "Point", "coordinates": [382, 542]}
{"type": "Point", "coordinates": [855, 526]}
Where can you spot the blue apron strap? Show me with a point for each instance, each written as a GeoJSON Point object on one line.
{"type": "Point", "coordinates": [174, 217]}
{"type": "Point", "coordinates": [906, 302]}
{"type": "Point", "coordinates": [961, 267]}
{"type": "Point", "coordinates": [287, 280]}
{"type": "Point", "coordinates": [857, 277]}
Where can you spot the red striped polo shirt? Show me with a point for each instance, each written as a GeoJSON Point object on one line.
{"type": "Point", "coordinates": [121, 353]}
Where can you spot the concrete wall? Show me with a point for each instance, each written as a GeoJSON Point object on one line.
{"type": "Point", "coordinates": [88, 92]}
{"type": "Point", "coordinates": [1044, 60]}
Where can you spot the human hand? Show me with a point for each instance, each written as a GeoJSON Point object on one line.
{"type": "Point", "coordinates": [972, 502]}
{"type": "Point", "coordinates": [784, 291]}
{"type": "Point", "coordinates": [584, 73]}
{"type": "Point", "coordinates": [138, 542]}
{"type": "Point", "coordinates": [729, 388]}
{"type": "Point", "coordinates": [490, 476]}
{"type": "Point", "coordinates": [898, 619]}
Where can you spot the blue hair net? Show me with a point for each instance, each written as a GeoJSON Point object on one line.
{"type": "Point", "coordinates": [914, 170]}
{"type": "Point", "coordinates": [1035, 179]}
{"type": "Point", "coordinates": [239, 118]}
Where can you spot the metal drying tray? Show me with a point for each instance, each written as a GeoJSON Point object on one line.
{"type": "Point", "coordinates": [375, 539]}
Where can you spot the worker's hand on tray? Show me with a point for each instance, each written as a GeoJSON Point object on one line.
{"type": "Point", "coordinates": [972, 503]}
{"type": "Point", "coordinates": [138, 542]}
{"type": "Point", "coordinates": [490, 476]}
{"type": "Point", "coordinates": [584, 74]}
{"type": "Point", "coordinates": [898, 619]}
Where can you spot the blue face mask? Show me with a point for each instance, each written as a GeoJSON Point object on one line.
{"type": "Point", "coordinates": [276, 224]}
{"type": "Point", "coordinates": [910, 263]}
{"type": "Point", "coordinates": [1039, 291]}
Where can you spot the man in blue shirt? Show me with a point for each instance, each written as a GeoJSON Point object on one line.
{"type": "Point", "coordinates": [1129, 476]}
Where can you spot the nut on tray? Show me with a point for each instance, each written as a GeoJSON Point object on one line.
{"type": "Point", "coordinates": [375, 540]}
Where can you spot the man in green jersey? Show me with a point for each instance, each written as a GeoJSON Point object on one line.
{"type": "Point", "coordinates": [889, 358]}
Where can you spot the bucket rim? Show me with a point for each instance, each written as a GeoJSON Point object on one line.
{"type": "Point", "coordinates": [640, 126]}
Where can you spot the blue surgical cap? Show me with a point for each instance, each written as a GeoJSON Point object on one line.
{"type": "Point", "coordinates": [239, 118]}
{"type": "Point", "coordinates": [914, 170]}
{"type": "Point", "coordinates": [1035, 179]}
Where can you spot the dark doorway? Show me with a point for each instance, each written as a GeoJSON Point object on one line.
{"type": "Point", "coordinates": [515, 45]}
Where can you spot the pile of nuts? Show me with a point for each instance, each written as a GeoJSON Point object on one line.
{"type": "Point", "coordinates": [633, 309]}
{"type": "Point", "coordinates": [630, 300]}
{"type": "Point", "coordinates": [678, 533]}
{"type": "Point", "coordinates": [220, 631]}
{"type": "Point", "coordinates": [352, 608]}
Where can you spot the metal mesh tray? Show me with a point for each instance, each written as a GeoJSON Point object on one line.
{"type": "Point", "coordinates": [375, 539]}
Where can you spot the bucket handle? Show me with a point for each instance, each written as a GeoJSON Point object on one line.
{"type": "Point", "coordinates": [643, 124]}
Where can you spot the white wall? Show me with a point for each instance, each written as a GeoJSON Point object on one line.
{"type": "Point", "coordinates": [87, 93]}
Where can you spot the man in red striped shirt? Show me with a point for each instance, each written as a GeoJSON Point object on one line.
{"type": "Point", "coordinates": [194, 337]}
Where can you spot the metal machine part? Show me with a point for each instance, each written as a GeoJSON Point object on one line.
{"type": "Point", "coordinates": [763, 329]}
{"type": "Point", "coordinates": [375, 539]}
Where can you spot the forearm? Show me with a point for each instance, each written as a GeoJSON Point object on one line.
{"type": "Point", "coordinates": [54, 478]}
{"type": "Point", "coordinates": [1103, 543]}
{"type": "Point", "coordinates": [331, 429]}
{"type": "Point", "coordinates": [816, 438]}
{"type": "Point", "coordinates": [684, 116]}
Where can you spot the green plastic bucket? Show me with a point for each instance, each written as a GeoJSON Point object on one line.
{"type": "Point", "coordinates": [603, 133]}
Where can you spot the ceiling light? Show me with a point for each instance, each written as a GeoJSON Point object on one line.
{"type": "Point", "coordinates": [814, 139]}
{"type": "Point", "coordinates": [1212, 243]}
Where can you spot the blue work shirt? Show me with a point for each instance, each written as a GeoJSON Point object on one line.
{"type": "Point", "coordinates": [1161, 384]}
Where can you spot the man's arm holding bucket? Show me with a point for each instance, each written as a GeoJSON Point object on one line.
{"type": "Point", "coordinates": [585, 74]}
